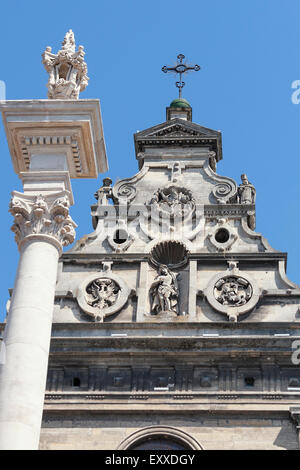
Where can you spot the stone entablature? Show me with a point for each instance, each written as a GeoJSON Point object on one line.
{"type": "Point", "coordinates": [268, 382]}
{"type": "Point", "coordinates": [55, 127]}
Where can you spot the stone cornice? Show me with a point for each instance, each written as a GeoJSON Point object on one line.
{"type": "Point", "coordinates": [91, 258]}
{"type": "Point", "coordinates": [72, 127]}
{"type": "Point", "coordinates": [219, 348]}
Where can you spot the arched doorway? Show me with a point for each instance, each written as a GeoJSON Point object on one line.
{"type": "Point", "coordinates": [160, 438]}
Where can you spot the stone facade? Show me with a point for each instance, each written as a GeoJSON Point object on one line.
{"type": "Point", "coordinates": [169, 328]}
{"type": "Point", "coordinates": [173, 321]}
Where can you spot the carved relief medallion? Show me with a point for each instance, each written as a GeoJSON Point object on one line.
{"type": "Point", "coordinates": [173, 201]}
{"type": "Point", "coordinates": [102, 294]}
{"type": "Point", "coordinates": [232, 293]}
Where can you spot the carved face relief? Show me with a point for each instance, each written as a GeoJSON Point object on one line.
{"type": "Point", "coordinates": [233, 291]}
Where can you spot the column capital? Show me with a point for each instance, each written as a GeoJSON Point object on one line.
{"type": "Point", "coordinates": [42, 217]}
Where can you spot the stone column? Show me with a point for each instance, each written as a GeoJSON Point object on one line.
{"type": "Point", "coordinates": [50, 141]}
{"type": "Point", "coordinates": [42, 226]}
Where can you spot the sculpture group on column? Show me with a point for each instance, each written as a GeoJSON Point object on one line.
{"type": "Point", "coordinates": [67, 70]}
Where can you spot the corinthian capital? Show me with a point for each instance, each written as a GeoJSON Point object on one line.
{"type": "Point", "coordinates": [43, 217]}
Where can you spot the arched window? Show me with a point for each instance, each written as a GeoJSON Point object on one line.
{"type": "Point", "coordinates": [160, 438]}
{"type": "Point", "coordinates": [158, 442]}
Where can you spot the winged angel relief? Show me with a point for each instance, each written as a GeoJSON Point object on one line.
{"type": "Point", "coordinates": [102, 293]}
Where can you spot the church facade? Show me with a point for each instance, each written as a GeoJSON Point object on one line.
{"type": "Point", "coordinates": [174, 319]}
{"type": "Point", "coordinates": [174, 325]}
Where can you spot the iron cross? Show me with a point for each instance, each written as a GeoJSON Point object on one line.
{"type": "Point", "coordinates": [180, 68]}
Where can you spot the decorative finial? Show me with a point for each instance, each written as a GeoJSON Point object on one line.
{"type": "Point", "coordinates": [67, 70]}
{"type": "Point", "coordinates": [181, 68]}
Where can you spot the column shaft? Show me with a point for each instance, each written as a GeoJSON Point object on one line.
{"type": "Point", "coordinates": [27, 340]}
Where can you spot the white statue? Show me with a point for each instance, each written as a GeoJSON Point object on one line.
{"type": "Point", "coordinates": [164, 291]}
{"type": "Point", "coordinates": [67, 70]}
{"type": "Point", "coordinates": [246, 191]}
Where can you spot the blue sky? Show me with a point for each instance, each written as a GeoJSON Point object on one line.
{"type": "Point", "coordinates": [249, 53]}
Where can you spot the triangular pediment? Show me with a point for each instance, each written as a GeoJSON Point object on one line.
{"type": "Point", "coordinates": [179, 130]}
{"type": "Point", "coordinates": [177, 127]}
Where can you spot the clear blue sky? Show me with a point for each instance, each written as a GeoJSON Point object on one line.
{"type": "Point", "coordinates": [249, 51]}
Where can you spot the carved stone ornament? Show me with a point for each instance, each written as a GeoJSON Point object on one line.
{"type": "Point", "coordinates": [164, 292]}
{"type": "Point", "coordinates": [223, 192]}
{"type": "Point", "coordinates": [171, 253]}
{"type": "Point", "coordinates": [42, 216]}
{"type": "Point", "coordinates": [173, 202]}
{"type": "Point", "coordinates": [232, 293]}
{"type": "Point", "coordinates": [125, 189]}
{"type": "Point", "coordinates": [67, 70]}
{"type": "Point", "coordinates": [102, 294]}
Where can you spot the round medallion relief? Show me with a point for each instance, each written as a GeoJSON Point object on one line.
{"type": "Point", "coordinates": [232, 294]}
{"type": "Point", "coordinates": [102, 294]}
{"type": "Point", "coordinates": [233, 291]}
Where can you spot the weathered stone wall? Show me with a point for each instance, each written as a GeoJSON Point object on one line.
{"type": "Point", "coordinates": [216, 432]}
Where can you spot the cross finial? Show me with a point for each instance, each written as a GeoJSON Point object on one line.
{"type": "Point", "coordinates": [181, 68]}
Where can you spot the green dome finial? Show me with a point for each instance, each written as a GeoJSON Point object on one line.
{"type": "Point", "coordinates": [180, 103]}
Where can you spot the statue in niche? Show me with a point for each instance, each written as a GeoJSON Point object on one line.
{"type": "Point", "coordinates": [104, 193]}
{"type": "Point", "coordinates": [246, 191]}
{"type": "Point", "coordinates": [102, 293]}
{"type": "Point", "coordinates": [164, 292]}
{"type": "Point", "coordinates": [174, 201]}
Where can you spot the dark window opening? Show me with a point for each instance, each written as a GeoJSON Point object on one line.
{"type": "Point", "coordinates": [159, 443]}
{"type": "Point", "coordinates": [249, 381]}
{"type": "Point", "coordinates": [222, 235]}
{"type": "Point", "coordinates": [76, 382]}
{"type": "Point", "coordinates": [120, 236]}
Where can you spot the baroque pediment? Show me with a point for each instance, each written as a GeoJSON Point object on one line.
{"type": "Point", "coordinates": [178, 130]}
